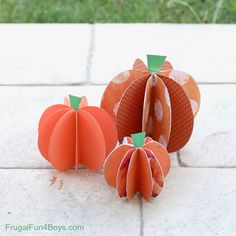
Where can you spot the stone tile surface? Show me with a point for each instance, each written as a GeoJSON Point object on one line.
{"type": "Point", "coordinates": [43, 53]}
{"type": "Point", "coordinates": [27, 196]}
{"type": "Point", "coordinates": [194, 202]}
{"type": "Point", "coordinates": [174, 160]}
{"type": "Point", "coordinates": [213, 141]}
{"type": "Point", "coordinates": [207, 52]}
{"type": "Point", "coordinates": [199, 197]}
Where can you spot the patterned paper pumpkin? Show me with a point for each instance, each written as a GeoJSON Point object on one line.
{"type": "Point", "coordinates": [158, 99]}
{"type": "Point", "coordinates": [138, 167]}
{"type": "Point", "coordinates": [76, 134]}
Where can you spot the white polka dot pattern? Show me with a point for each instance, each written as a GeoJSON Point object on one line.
{"type": "Point", "coordinates": [158, 110]}
{"type": "Point", "coordinates": [179, 76]}
{"type": "Point", "coordinates": [194, 106]}
{"type": "Point", "coordinates": [121, 78]}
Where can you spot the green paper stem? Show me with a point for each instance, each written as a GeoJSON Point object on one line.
{"type": "Point", "coordinates": [138, 139]}
{"type": "Point", "coordinates": [155, 62]}
{"type": "Point", "coordinates": [75, 101]}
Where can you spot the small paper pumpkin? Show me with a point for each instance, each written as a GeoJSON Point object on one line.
{"type": "Point", "coordinates": [156, 99]}
{"type": "Point", "coordinates": [76, 134]}
{"type": "Point", "coordinates": [137, 167]}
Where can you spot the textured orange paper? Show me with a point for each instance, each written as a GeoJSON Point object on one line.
{"type": "Point", "coordinates": [162, 104]}
{"type": "Point", "coordinates": [69, 137]}
{"type": "Point", "coordinates": [143, 169]}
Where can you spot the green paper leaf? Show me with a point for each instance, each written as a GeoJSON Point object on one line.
{"type": "Point", "coordinates": [75, 101]}
{"type": "Point", "coordinates": [155, 62]}
{"type": "Point", "coordinates": [138, 139]}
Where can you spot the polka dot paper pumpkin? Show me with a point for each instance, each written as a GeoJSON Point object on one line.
{"type": "Point", "coordinates": [156, 99]}
{"type": "Point", "coordinates": [74, 133]}
{"type": "Point", "coordinates": [137, 167]}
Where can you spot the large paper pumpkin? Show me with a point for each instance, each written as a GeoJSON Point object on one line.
{"type": "Point", "coordinates": [156, 99]}
{"type": "Point", "coordinates": [138, 167]}
{"type": "Point", "coordinates": [73, 133]}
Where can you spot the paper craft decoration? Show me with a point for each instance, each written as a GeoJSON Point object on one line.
{"type": "Point", "coordinates": [74, 133]}
{"type": "Point", "coordinates": [156, 99]}
{"type": "Point", "coordinates": [137, 167]}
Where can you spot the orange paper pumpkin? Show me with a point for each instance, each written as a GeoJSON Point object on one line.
{"type": "Point", "coordinates": [76, 133]}
{"type": "Point", "coordinates": [138, 167]}
{"type": "Point", "coordinates": [158, 100]}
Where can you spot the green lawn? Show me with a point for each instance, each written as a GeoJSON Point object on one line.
{"type": "Point", "coordinates": [90, 11]}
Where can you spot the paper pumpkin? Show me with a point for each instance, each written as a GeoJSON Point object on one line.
{"type": "Point", "coordinates": [137, 167]}
{"type": "Point", "coordinates": [156, 99]}
{"type": "Point", "coordinates": [76, 134]}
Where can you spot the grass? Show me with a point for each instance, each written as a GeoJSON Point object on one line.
{"type": "Point", "coordinates": [91, 11]}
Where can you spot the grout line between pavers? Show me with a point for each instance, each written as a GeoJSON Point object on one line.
{"type": "Point", "coordinates": [207, 167]}
{"type": "Point", "coordinates": [90, 54]}
{"type": "Point", "coordinates": [84, 168]}
{"type": "Point", "coordinates": [216, 83]}
{"type": "Point", "coordinates": [34, 168]}
{"type": "Point", "coordinates": [178, 159]}
{"type": "Point", "coordinates": [141, 233]}
{"type": "Point", "coordinates": [181, 164]}
{"type": "Point", "coordinates": [45, 84]}
{"type": "Point", "coordinates": [184, 165]}
{"type": "Point", "coordinates": [89, 83]}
